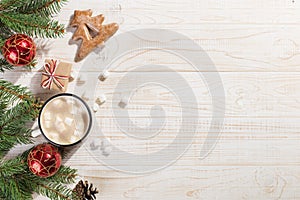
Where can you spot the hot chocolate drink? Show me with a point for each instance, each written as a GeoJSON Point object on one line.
{"type": "Point", "coordinates": [65, 119]}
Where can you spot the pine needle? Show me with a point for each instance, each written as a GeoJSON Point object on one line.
{"type": "Point", "coordinates": [4, 65]}
{"type": "Point", "coordinates": [33, 25]}
{"type": "Point", "coordinates": [18, 107]}
{"type": "Point", "coordinates": [44, 8]}
{"type": "Point", "coordinates": [17, 182]}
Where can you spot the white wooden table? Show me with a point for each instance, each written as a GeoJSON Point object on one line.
{"type": "Point", "coordinates": [254, 45]}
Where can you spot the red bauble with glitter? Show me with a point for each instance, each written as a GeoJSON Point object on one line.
{"type": "Point", "coordinates": [19, 50]}
{"type": "Point", "coordinates": [44, 160]}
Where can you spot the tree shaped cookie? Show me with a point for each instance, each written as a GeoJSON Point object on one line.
{"type": "Point", "coordinates": [91, 31]}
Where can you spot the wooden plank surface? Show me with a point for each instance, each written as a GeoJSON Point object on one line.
{"type": "Point", "coordinates": [254, 45]}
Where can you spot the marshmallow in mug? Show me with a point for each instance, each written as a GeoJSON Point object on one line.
{"type": "Point", "coordinates": [65, 119]}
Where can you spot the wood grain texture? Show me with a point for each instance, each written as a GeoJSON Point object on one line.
{"type": "Point", "coordinates": [254, 45]}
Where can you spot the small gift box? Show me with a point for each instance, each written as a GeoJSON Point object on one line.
{"type": "Point", "coordinates": [56, 75]}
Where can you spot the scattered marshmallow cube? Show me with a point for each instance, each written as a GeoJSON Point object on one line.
{"type": "Point", "coordinates": [107, 151]}
{"type": "Point", "coordinates": [124, 102]}
{"type": "Point", "coordinates": [85, 97]}
{"type": "Point", "coordinates": [104, 75]}
{"type": "Point", "coordinates": [105, 143]}
{"type": "Point", "coordinates": [106, 147]}
{"type": "Point", "coordinates": [101, 99]}
{"type": "Point", "coordinates": [36, 133]}
{"type": "Point", "coordinates": [35, 125]}
{"type": "Point", "coordinates": [95, 107]}
{"type": "Point", "coordinates": [72, 76]}
{"type": "Point", "coordinates": [82, 77]}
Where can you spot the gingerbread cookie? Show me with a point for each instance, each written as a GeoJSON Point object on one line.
{"type": "Point", "coordinates": [86, 24]}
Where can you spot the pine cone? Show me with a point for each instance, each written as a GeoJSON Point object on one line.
{"type": "Point", "coordinates": [85, 191]}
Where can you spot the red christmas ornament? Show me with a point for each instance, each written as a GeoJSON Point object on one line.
{"type": "Point", "coordinates": [19, 50]}
{"type": "Point", "coordinates": [44, 160]}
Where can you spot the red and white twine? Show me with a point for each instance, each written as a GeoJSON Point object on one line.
{"type": "Point", "coordinates": [50, 69]}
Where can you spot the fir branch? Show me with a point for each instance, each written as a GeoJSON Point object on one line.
{"type": "Point", "coordinates": [18, 107]}
{"type": "Point", "coordinates": [17, 182]}
{"type": "Point", "coordinates": [50, 187]}
{"type": "Point", "coordinates": [4, 65]}
{"type": "Point", "coordinates": [44, 8]}
{"type": "Point", "coordinates": [13, 93]}
{"type": "Point", "coordinates": [65, 175]}
{"type": "Point", "coordinates": [14, 166]}
{"type": "Point", "coordinates": [16, 189]}
{"type": "Point", "coordinates": [54, 191]}
{"type": "Point", "coordinates": [12, 127]}
{"type": "Point", "coordinates": [31, 65]}
{"type": "Point", "coordinates": [31, 24]}
{"type": "Point", "coordinates": [11, 187]}
{"type": "Point", "coordinates": [8, 141]}
{"type": "Point", "coordinates": [21, 113]}
{"type": "Point", "coordinates": [5, 32]}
